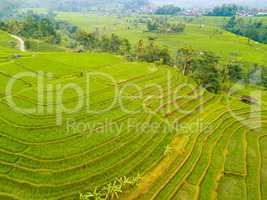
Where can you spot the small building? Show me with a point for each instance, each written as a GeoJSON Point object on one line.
{"type": "Point", "coordinates": [249, 100]}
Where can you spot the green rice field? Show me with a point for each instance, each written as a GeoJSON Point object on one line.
{"type": "Point", "coordinates": [218, 143]}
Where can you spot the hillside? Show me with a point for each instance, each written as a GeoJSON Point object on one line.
{"type": "Point", "coordinates": [203, 145]}
{"type": "Point", "coordinates": [198, 31]}
{"type": "Point", "coordinates": [82, 5]}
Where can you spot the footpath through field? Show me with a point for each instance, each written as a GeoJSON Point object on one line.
{"type": "Point", "coordinates": [21, 42]}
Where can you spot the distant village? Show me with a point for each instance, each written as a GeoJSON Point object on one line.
{"type": "Point", "coordinates": [145, 8]}
{"type": "Point", "coordinates": [248, 12]}
{"type": "Point", "coordinates": [245, 12]}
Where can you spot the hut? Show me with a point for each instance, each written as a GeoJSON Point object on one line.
{"type": "Point", "coordinates": [248, 100]}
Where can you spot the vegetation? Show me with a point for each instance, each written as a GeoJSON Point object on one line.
{"type": "Point", "coordinates": [95, 42]}
{"type": "Point", "coordinates": [34, 26]}
{"type": "Point", "coordinates": [203, 67]}
{"type": "Point", "coordinates": [112, 190]}
{"type": "Point", "coordinates": [235, 71]}
{"type": "Point", "coordinates": [168, 10]}
{"type": "Point", "coordinates": [254, 30]}
{"type": "Point", "coordinates": [198, 31]}
{"type": "Point", "coordinates": [225, 10]}
{"type": "Point", "coordinates": [206, 73]}
{"type": "Point", "coordinates": [41, 46]}
{"type": "Point", "coordinates": [199, 141]}
{"type": "Point", "coordinates": [161, 25]}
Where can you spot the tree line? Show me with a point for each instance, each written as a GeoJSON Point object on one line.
{"type": "Point", "coordinates": [255, 30]}
{"type": "Point", "coordinates": [225, 10]}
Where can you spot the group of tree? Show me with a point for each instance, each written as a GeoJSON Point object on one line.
{"type": "Point", "coordinates": [96, 42]}
{"type": "Point", "coordinates": [202, 67]}
{"type": "Point", "coordinates": [42, 27]}
{"type": "Point", "coordinates": [225, 10]}
{"type": "Point", "coordinates": [168, 10]}
{"type": "Point", "coordinates": [151, 53]}
{"type": "Point", "coordinates": [114, 44]}
{"type": "Point", "coordinates": [207, 71]}
{"type": "Point", "coordinates": [257, 75]}
{"type": "Point", "coordinates": [161, 25]}
{"type": "Point", "coordinates": [255, 30]}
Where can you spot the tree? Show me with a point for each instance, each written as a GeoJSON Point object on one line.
{"type": "Point", "coordinates": [126, 47]}
{"type": "Point", "coordinates": [88, 40]}
{"type": "Point", "coordinates": [234, 71]}
{"type": "Point", "coordinates": [185, 59]}
{"type": "Point", "coordinates": [206, 73]}
{"type": "Point", "coordinates": [255, 30]}
{"type": "Point", "coordinates": [257, 75]}
{"type": "Point", "coordinates": [177, 28]}
{"type": "Point", "coordinates": [165, 57]}
{"type": "Point", "coordinates": [225, 10]}
{"type": "Point", "coordinates": [264, 77]}
{"type": "Point", "coordinates": [34, 26]}
{"type": "Point", "coordinates": [152, 26]}
{"type": "Point", "coordinates": [3, 26]}
{"type": "Point", "coordinates": [115, 43]}
{"type": "Point", "coordinates": [161, 25]}
{"type": "Point", "coordinates": [14, 27]}
{"type": "Point", "coordinates": [140, 50]}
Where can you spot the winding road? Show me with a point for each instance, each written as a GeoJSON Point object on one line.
{"type": "Point", "coordinates": [21, 42]}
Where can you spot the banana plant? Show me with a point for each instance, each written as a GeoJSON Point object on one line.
{"type": "Point", "coordinates": [136, 179]}
{"type": "Point", "coordinates": [95, 195]}
{"type": "Point", "coordinates": [124, 181]}
{"type": "Point", "coordinates": [112, 190]}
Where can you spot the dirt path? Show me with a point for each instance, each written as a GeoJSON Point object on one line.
{"type": "Point", "coordinates": [21, 43]}
{"type": "Point", "coordinates": [178, 146]}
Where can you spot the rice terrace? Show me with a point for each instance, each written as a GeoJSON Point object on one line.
{"type": "Point", "coordinates": [133, 100]}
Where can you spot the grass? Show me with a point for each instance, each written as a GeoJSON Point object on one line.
{"type": "Point", "coordinates": [233, 188]}
{"type": "Point", "coordinates": [263, 144]}
{"type": "Point", "coordinates": [236, 155]}
{"type": "Point", "coordinates": [40, 46]}
{"type": "Point", "coordinates": [224, 44]}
